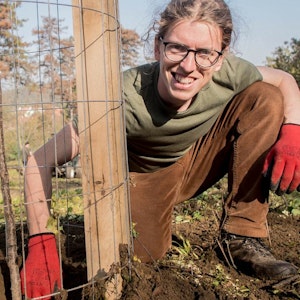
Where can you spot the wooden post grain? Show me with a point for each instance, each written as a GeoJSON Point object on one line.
{"type": "Point", "coordinates": [102, 133]}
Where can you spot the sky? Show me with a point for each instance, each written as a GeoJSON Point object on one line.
{"type": "Point", "coordinates": [262, 25]}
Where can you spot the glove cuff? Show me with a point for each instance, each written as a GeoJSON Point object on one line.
{"type": "Point", "coordinates": [290, 124]}
{"type": "Point", "coordinates": [290, 130]}
{"type": "Point", "coordinates": [46, 239]}
{"type": "Point", "coordinates": [40, 234]}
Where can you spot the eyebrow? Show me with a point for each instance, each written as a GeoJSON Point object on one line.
{"type": "Point", "coordinates": [197, 49]}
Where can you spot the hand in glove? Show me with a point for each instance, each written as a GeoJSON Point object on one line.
{"type": "Point", "coordinates": [41, 266]}
{"type": "Point", "coordinates": [282, 163]}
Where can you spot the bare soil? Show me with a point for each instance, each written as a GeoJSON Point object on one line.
{"type": "Point", "coordinates": [191, 269]}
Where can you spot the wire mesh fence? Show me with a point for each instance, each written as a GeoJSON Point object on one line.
{"type": "Point", "coordinates": [59, 65]}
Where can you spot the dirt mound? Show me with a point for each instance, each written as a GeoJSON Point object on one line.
{"type": "Point", "coordinates": [190, 270]}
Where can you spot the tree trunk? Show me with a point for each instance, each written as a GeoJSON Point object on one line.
{"type": "Point", "coordinates": [11, 239]}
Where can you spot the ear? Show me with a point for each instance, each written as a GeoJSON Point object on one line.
{"type": "Point", "coordinates": [157, 49]}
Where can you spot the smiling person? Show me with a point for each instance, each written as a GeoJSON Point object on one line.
{"type": "Point", "coordinates": [194, 115]}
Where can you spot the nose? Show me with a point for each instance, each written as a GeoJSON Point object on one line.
{"type": "Point", "coordinates": [189, 62]}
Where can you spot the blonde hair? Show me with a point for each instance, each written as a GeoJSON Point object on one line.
{"type": "Point", "coordinates": [215, 12]}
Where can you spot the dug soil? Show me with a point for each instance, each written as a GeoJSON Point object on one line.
{"type": "Point", "coordinates": [192, 269]}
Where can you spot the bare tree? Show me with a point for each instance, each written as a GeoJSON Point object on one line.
{"type": "Point", "coordinates": [11, 65]}
{"type": "Point", "coordinates": [54, 59]}
{"type": "Point", "coordinates": [131, 43]}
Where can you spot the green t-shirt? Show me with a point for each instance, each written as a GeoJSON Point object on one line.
{"type": "Point", "coordinates": [158, 135]}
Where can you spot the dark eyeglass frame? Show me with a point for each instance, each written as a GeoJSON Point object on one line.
{"type": "Point", "coordinates": [220, 53]}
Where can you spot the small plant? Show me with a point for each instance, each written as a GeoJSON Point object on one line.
{"type": "Point", "coordinates": [52, 225]}
{"type": "Point", "coordinates": [219, 276]}
{"type": "Point", "coordinates": [133, 231]}
{"type": "Point", "coordinates": [66, 201]}
{"type": "Point", "coordinates": [287, 204]}
{"type": "Point", "coordinates": [294, 206]}
{"type": "Point", "coordinates": [221, 279]}
{"type": "Point", "coordinates": [184, 249]}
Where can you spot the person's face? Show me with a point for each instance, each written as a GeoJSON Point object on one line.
{"type": "Point", "coordinates": [179, 82]}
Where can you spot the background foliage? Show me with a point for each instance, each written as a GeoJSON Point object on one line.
{"type": "Point", "coordinates": [38, 77]}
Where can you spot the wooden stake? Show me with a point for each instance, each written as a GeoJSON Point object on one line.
{"type": "Point", "coordinates": [102, 133]}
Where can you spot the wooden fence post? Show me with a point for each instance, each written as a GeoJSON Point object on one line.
{"type": "Point", "coordinates": [102, 134]}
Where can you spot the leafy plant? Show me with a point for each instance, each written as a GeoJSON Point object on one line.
{"type": "Point", "coordinates": [287, 204]}
{"type": "Point", "coordinates": [184, 249]}
{"type": "Point", "coordinates": [133, 231]}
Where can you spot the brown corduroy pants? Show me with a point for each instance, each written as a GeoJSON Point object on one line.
{"type": "Point", "coordinates": [237, 144]}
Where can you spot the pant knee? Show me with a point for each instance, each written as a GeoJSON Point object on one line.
{"type": "Point", "coordinates": [269, 99]}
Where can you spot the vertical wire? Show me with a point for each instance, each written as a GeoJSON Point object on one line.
{"type": "Point", "coordinates": [82, 54]}
{"type": "Point", "coordinates": [112, 192]}
{"type": "Point", "coordinates": [124, 148]}
{"type": "Point", "coordinates": [63, 121]}
{"type": "Point", "coordinates": [92, 172]}
{"type": "Point", "coordinates": [53, 85]}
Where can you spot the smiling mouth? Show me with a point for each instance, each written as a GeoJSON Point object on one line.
{"type": "Point", "coordinates": [182, 79]}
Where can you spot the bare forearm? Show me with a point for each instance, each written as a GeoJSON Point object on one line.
{"type": "Point", "coordinates": [38, 176]}
{"type": "Point", "coordinates": [291, 93]}
{"type": "Point", "coordinates": [37, 194]}
{"type": "Point", "coordinates": [289, 89]}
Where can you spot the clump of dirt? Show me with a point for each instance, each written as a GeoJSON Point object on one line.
{"type": "Point", "coordinates": [191, 269]}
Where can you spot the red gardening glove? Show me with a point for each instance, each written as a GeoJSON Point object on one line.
{"type": "Point", "coordinates": [282, 163]}
{"type": "Point", "coordinates": [41, 266]}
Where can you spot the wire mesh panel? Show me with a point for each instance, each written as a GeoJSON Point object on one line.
{"type": "Point", "coordinates": [59, 65]}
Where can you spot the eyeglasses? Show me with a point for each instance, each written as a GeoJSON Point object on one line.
{"type": "Point", "coordinates": [204, 58]}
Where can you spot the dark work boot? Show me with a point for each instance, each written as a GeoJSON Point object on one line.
{"type": "Point", "coordinates": [252, 257]}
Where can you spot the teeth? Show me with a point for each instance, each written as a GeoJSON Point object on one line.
{"type": "Point", "coordinates": [182, 79]}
